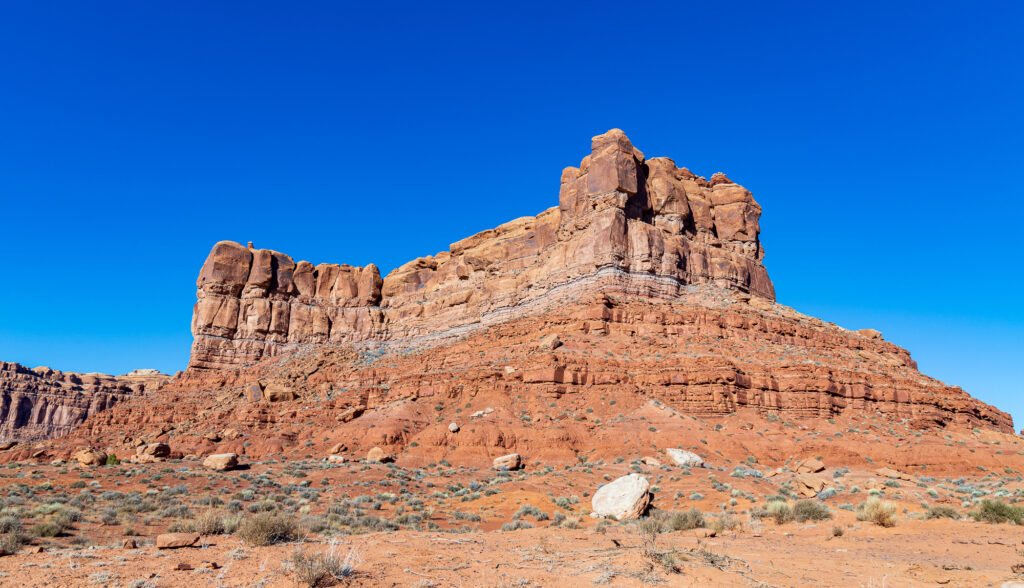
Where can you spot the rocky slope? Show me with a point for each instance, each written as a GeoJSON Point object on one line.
{"type": "Point", "coordinates": [41, 403]}
{"type": "Point", "coordinates": [623, 224]}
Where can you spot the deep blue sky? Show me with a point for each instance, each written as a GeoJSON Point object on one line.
{"type": "Point", "coordinates": [884, 140]}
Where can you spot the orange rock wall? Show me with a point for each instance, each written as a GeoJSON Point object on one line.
{"type": "Point", "coordinates": [623, 224]}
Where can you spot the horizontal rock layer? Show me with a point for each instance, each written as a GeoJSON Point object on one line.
{"type": "Point", "coordinates": [623, 224]}
{"type": "Point", "coordinates": [41, 403]}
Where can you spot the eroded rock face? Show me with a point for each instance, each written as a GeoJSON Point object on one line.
{"type": "Point", "coordinates": [623, 223]}
{"type": "Point", "coordinates": [42, 403]}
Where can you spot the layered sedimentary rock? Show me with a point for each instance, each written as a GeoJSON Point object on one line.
{"type": "Point", "coordinates": [41, 403]}
{"type": "Point", "coordinates": [623, 224]}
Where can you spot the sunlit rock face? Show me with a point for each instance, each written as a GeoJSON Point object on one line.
{"type": "Point", "coordinates": [623, 224]}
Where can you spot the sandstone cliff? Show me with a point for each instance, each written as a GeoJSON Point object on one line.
{"type": "Point", "coordinates": [640, 299]}
{"type": "Point", "coordinates": [41, 403]}
{"type": "Point", "coordinates": [623, 223]}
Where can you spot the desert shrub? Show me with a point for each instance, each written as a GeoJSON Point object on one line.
{"type": "Point", "coordinates": [997, 511]}
{"type": "Point", "coordinates": [680, 520]}
{"type": "Point", "coordinates": [312, 570]}
{"type": "Point", "coordinates": [941, 512]}
{"type": "Point", "coordinates": [210, 522]}
{"type": "Point", "coordinates": [49, 528]}
{"type": "Point", "coordinates": [267, 529]}
{"type": "Point", "coordinates": [879, 512]}
{"type": "Point", "coordinates": [9, 524]}
{"type": "Point", "coordinates": [837, 531]}
{"type": "Point", "coordinates": [112, 460]}
{"type": "Point", "coordinates": [724, 522]}
{"type": "Point", "coordinates": [530, 510]}
{"type": "Point", "coordinates": [810, 510]}
{"type": "Point", "coordinates": [779, 512]}
{"type": "Point", "coordinates": [11, 542]}
{"type": "Point", "coordinates": [515, 526]}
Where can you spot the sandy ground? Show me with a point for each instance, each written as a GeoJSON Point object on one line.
{"type": "Point", "coordinates": [914, 553]}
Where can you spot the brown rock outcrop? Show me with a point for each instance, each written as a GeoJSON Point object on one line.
{"type": "Point", "coordinates": [623, 223]}
{"type": "Point", "coordinates": [42, 403]}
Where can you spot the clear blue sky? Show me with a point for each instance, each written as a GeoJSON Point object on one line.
{"type": "Point", "coordinates": [884, 140]}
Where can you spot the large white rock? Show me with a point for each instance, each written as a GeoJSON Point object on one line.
{"type": "Point", "coordinates": [684, 458]}
{"type": "Point", "coordinates": [625, 498]}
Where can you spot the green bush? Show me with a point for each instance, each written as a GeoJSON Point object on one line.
{"type": "Point", "coordinates": [997, 511]}
{"type": "Point", "coordinates": [810, 510]}
{"type": "Point", "coordinates": [941, 512]}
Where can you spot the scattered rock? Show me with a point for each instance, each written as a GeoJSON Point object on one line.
{"type": "Point", "coordinates": [809, 466]}
{"type": "Point", "coordinates": [254, 393]}
{"type": "Point", "coordinates": [212, 436]}
{"type": "Point", "coordinates": [221, 462]}
{"type": "Point", "coordinates": [549, 343]}
{"type": "Point", "coordinates": [511, 461]}
{"type": "Point", "coordinates": [810, 484]}
{"type": "Point", "coordinates": [648, 460]}
{"type": "Point", "coordinates": [176, 540]}
{"type": "Point", "coordinates": [453, 427]}
{"type": "Point", "coordinates": [129, 544]}
{"type": "Point", "coordinates": [183, 566]}
{"type": "Point", "coordinates": [377, 454]}
{"type": "Point", "coordinates": [89, 456]}
{"type": "Point", "coordinates": [158, 450]}
{"type": "Point", "coordinates": [335, 459]}
{"type": "Point", "coordinates": [7, 445]}
{"type": "Point", "coordinates": [278, 393]}
{"type": "Point", "coordinates": [339, 448]}
{"type": "Point", "coordinates": [624, 498]}
{"type": "Point", "coordinates": [684, 458]}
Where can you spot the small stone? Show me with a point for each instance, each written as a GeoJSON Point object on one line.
{"type": "Point", "coordinates": [549, 343]}
{"type": "Point", "coordinates": [684, 458]}
{"type": "Point", "coordinates": [176, 540]}
{"type": "Point", "coordinates": [453, 427]}
{"type": "Point", "coordinates": [88, 456]}
{"type": "Point", "coordinates": [377, 454]}
{"type": "Point", "coordinates": [221, 462]}
{"type": "Point", "coordinates": [511, 461]}
{"type": "Point", "coordinates": [335, 459]}
{"type": "Point", "coordinates": [809, 466]}
{"type": "Point", "coordinates": [648, 460]}
{"type": "Point", "coordinates": [129, 544]}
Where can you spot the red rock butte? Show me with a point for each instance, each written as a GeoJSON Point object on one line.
{"type": "Point", "coordinates": [590, 328]}
{"type": "Point", "coordinates": [623, 224]}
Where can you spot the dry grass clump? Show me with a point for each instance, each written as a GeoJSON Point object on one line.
{"type": "Point", "coordinates": [12, 541]}
{"type": "Point", "coordinates": [941, 512]}
{"type": "Point", "coordinates": [779, 511]}
{"type": "Point", "coordinates": [879, 512]}
{"type": "Point", "coordinates": [668, 521]}
{"type": "Point", "coordinates": [315, 569]}
{"type": "Point", "coordinates": [268, 528]}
